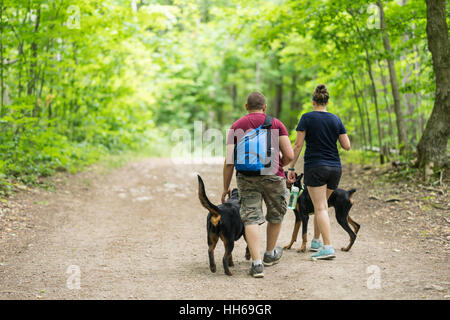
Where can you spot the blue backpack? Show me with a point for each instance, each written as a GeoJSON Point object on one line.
{"type": "Point", "coordinates": [253, 152]}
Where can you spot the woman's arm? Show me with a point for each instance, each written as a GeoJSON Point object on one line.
{"type": "Point", "coordinates": [344, 141]}
{"type": "Point", "coordinates": [298, 146]}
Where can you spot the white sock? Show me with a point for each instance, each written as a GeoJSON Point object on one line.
{"type": "Point", "coordinates": [256, 262]}
{"type": "Point", "coordinates": [328, 246]}
{"type": "Point", "coordinates": [316, 240]}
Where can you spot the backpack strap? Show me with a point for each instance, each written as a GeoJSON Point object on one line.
{"type": "Point", "coordinates": [267, 125]}
{"type": "Point", "coordinates": [267, 122]}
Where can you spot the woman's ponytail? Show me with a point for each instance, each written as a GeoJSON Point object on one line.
{"type": "Point", "coordinates": [321, 94]}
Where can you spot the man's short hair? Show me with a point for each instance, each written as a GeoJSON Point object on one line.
{"type": "Point", "coordinates": [256, 101]}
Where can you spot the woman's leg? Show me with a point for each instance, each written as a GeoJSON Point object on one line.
{"type": "Point", "coordinates": [316, 228]}
{"type": "Point", "coordinates": [320, 201]}
{"type": "Point", "coordinates": [316, 225]}
{"type": "Point", "coordinates": [329, 192]}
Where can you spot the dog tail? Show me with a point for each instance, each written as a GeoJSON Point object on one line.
{"type": "Point", "coordinates": [350, 194]}
{"type": "Point", "coordinates": [204, 199]}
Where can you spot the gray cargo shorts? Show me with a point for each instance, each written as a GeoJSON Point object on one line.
{"type": "Point", "coordinates": [253, 189]}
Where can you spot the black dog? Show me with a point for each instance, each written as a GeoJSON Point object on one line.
{"type": "Point", "coordinates": [340, 199]}
{"type": "Point", "coordinates": [224, 222]}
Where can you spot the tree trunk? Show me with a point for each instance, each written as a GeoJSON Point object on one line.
{"type": "Point", "coordinates": [369, 127]}
{"type": "Point", "coordinates": [432, 147]}
{"type": "Point", "coordinates": [388, 107]}
{"type": "Point", "coordinates": [2, 89]}
{"type": "Point", "coordinates": [205, 11]}
{"type": "Point", "coordinates": [408, 96]}
{"type": "Point", "coordinates": [374, 95]}
{"type": "Point", "coordinates": [234, 96]}
{"type": "Point", "coordinates": [21, 62]}
{"type": "Point", "coordinates": [361, 116]}
{"type": "Point", "coordinates": [375, 100]}
{"type": "Point", "coordinates": [417, 91]}
{"type": "Point", "coordinates": [407, 99]}
{"type": "Point", "coordinates": [33, 65]}
{"type": "Point", "coordinates": [401, 131]}
{"type": "Point", "coordinates": [295, 103]}
{"type": "Point", "coordinates": [258, 75]}
{"type": "Point", "coordinates": [279, 97]}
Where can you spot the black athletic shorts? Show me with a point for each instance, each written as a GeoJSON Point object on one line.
{"type": "Point", "coordinates": [319, 176]}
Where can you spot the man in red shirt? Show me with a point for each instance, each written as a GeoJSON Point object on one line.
{"type": "Point", "coordinates": [270, 186]}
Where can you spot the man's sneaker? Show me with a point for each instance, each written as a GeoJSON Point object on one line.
{"type": "Point", "coordinates": [316, 245]}
{"type": "Point", "coordinates": [257, 271]}
{"type": "Point", "coordinates": [324, 254]}
{"type": "Point", "coordinates": [270, 260]}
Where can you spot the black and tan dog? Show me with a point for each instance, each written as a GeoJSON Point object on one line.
{"type": "Point", "coordinates": [224, 222]}
{"type": "Point", "coordinates": [342, 202]}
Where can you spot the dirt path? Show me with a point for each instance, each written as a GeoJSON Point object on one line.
{"type": "Point", "coordinates": [139, 233]}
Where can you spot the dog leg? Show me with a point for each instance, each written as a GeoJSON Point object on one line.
{"type": "Point", "coordinates": [344, 224]}
{"type": "Point", "coordinates": [227, 257]}
{"type": "Point", "coordinates": [247, 250]}
{"type": "Point", "coordinates": [230, 261]}
{"type": "Point", "coordinates": [294, 234]}
{"type": "Point", "coordinates": [247, 254]}
{"type": "Point", "coordinates": [355, 225]}
{"type": "Point", "coordinates": [305, 219]}
{"type": "Point", "coordinates": [304, 242]}
{"type": "Point", "coordinates": [212, 241]}
{"type": "Point", "coordinates": [229, 246]}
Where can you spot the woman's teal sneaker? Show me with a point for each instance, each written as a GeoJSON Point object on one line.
{"type": "Point", "coordinates": [316, 245]}
{"type": "Point", "coordinates": [324, 254]}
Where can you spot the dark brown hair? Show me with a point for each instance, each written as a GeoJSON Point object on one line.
{"type": "Point", "coordinates": [321, 95]}
{"type": "Point", "coordinates": [256, 101]}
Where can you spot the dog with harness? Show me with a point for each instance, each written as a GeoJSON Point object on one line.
{"type": "Point", "coordinates": [342, 202]}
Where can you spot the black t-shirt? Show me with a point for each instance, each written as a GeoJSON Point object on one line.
{"type": "Point", "coordinates": [322, 132]}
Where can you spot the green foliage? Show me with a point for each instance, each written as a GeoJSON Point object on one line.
{"type": "Point", "coordinates": [83, 79]}
{"type": "Point", "coordinates": [360, 157]}
{"type": "Point", "coordinates": [71, 91]}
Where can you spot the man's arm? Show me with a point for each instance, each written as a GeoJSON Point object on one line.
{"type": "Point", "coordinates": [286, 150]}
{"type": "Point", "coordinates": [228, 169]}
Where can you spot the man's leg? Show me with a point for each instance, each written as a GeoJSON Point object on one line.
{"type": "Point", "coordinates": [253, 241]}
{"type": "Point", "coordinates": [274, 195]}
{"type": "Point", "coordinates": [273, 231]}
{"type": "Point", "coordinates": [252, 216]}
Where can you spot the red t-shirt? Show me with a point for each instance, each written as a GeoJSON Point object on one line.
{"type": "Point", "coordinates": [252, 121]}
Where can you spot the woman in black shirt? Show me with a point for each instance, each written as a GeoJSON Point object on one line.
{"type": "Point", "coordinates": [322, 166]}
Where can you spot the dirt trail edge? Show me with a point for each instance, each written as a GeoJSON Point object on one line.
{"type": "Point", "coordinates": [139, 233]}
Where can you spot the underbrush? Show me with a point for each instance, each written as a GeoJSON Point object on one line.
{"type": "Point", "coordinates": [361, 157]}
{"type": "Point", "coordinates": [29, 157]}
{"type": "Point", "coordinates": [396, 171]}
